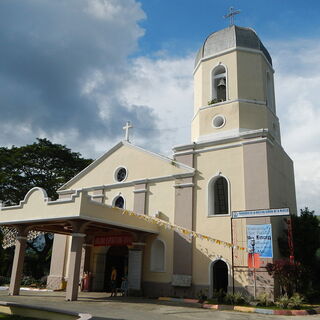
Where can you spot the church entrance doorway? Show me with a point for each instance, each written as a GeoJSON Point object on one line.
{"type": "Point", "coordinates": [219, 276]}
{"type": "Point", "coordinates": [117, 256]}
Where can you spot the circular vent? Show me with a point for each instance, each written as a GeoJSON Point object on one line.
{"type": "Point", "coordinates": [218, 121]}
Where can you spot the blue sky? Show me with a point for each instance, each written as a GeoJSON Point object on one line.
{"type": "Point", "coordinates": [181, 25]}
{"type": "Point", "coordinates": [74, 71]}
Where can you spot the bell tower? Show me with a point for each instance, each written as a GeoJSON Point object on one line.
{"type": "Point", "coordinates": [233, 87]}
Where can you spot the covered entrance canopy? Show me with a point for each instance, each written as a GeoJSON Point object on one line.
{"type": "Point", "coordinates": [78, 216]}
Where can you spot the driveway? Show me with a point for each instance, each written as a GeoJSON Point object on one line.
{"type": "Point", "coordinates": [103, 307]}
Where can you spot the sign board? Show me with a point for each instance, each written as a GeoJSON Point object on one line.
{"type": "Point", "coordinates": [113, 240]}
{"type": "Point", "coordinates": [261, 213]}
{"type": "Point", "coordinates": [262, 235]}
{"type": "Point", "coordinates": [134, 269]}
{"type": "Point", "coordinates": [181, 280]}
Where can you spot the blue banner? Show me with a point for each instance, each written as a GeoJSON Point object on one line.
{"type": "Point", "coordinates": [262, 235]}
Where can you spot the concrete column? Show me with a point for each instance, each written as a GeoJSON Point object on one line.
{"type": "Point", "coordinates": [17, 267]}
{"type": "Point", "coordinates": [182, 257]}
{"type": "Point", "coordinates": [77, 241]}
{"type": "Point", "coordinates": [183, 216]}
{"type": "Point", "coordinates": [57, 266]}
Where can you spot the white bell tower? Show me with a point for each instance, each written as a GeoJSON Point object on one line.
{"type": "Point", "coordinates": [233, 87]}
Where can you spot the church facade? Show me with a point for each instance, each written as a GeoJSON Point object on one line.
{"type": "Point", "coordinates": [233, 179]}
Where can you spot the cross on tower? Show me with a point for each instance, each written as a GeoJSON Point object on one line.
{"type": "Point", "coordinates": [231, 14]}
{"type": "Point", "coordinates": [126, 128]}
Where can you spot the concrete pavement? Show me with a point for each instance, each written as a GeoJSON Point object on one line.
{"type": "Point", "coordinates": [102, 307]}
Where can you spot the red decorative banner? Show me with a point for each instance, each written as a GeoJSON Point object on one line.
{"type": "Point", "coordinates": [114, 240]}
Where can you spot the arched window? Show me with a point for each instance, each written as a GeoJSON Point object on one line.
{"type": "Point", "coordinates": [118, 202]}
{"type": "Point", "coordinates": [157, 256]}
{"type": "Point", "coordinates": [219, 84]}
{"type": "Point", "coordinates": [218, 196]}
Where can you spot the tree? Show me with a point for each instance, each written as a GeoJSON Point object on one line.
{"type": "Point", "coordinates": [41, 164]}
{"type": "Point", "coordinates": [306, 237]}
{"type": "Point", "coordinates": [306, 242]}
{"type": "Point", "coordinates": [288, 275]}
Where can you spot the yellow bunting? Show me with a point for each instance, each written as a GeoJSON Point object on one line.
{"type": "Point", "coordinates": [190, 233]}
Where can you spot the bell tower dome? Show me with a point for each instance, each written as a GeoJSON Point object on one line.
{"type": "Point", "coordinates": [233, 87]}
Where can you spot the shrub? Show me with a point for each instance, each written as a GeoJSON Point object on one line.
{"type": "Point", "coordinates": [283, 301]}
{"type": "Point", "coordinates": [229, 298]}
{"type": "Point", "coordinates": [313, 296]}
{"type": "Point", "coordinates": [27, 281]}
{"type": "Point", "coordinates": [202, 296]}
{"type": "Point", "coordinates": [296, 301]}
{"type": "Point", "coordinates": [214, 101]}
{"type": "Point", "coordinates": [264, 300]}
{"type": "Point", "coordinates": [30, 281]}
{"type": "Point", "coordinates": [240, 298]}
{"type": "Point", "coordinates": [237, 298]}
{"type": "Point", "coordinates": [4, 280]}
{"type": "Point", "coordinates": [218, 296]}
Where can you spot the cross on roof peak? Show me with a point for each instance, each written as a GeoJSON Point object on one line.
{"type": "Point", "coordinates": [126, 129]}
{"type": "Point", "coordinates": [231, 14]}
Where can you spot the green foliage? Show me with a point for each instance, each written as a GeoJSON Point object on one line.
{"type": "Point", "coordinates": [283, 301]}
{"type": "Point", "coordinates": [214, 101]}
{"type": "Point", "coordinates": [287, 274]}
{"type": "Point", "coordinates": [203, 295]}
{"type": "Point", "coordinates": [264, 300]}
{"type": "Point", "coordinates": [6, 257]}
{"type": "Point", "coordinates": [4, 280]}
{"type": "Point", "coordinates": [41, 164]}
{"type": "Point", "coordinates": [218, 296]}
{"type": "Point", "coordinates": [306, 242]}
{"type": "Point", "coordinates": [312, 295]}
{"type": "Point", "coordinates": [28, 281]}
{"type": "Point", "coordinates": [295, 302]}
{"type": "Point", "coordinates": [306, 237]}
{"type": "Point", "coordinates": [238, 298]}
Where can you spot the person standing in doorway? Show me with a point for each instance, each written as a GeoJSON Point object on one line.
{"type": "Point", "coordinates": [113, 281]}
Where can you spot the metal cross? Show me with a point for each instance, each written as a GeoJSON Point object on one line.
{"type": "Point", "coordinates": [231, 14]}
{"type": "Point", "coordinates": [126, 128]}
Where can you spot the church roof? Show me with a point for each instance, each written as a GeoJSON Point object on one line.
{"type": "Point", "coordinates": [229, 38]}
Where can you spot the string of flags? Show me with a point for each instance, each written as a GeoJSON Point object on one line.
{"type": "Point", "coordinates": [169, 226]}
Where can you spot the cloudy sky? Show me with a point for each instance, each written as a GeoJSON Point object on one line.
{"type": "Point", "coordinates": [75, 71]}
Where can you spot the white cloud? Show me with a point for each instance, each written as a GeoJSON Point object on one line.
{"type": "Point", "coordinates": [297, 66]}
{"type": "Point", "coordinates": [123, 11]}
{"type": "Point", "coordinates": [164, 84]}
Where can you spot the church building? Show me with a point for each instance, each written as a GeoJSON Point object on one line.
{"type": "Point", "coordinates": [184, 225]}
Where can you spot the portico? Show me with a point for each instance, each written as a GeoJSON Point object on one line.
{"type": "Point", "coordinates": [79, 217]}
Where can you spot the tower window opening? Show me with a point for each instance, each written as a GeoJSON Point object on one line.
{"type": "Point", "coordinates": [219, 84]}
{"type": "Point", "coordinates": [269, 92]}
